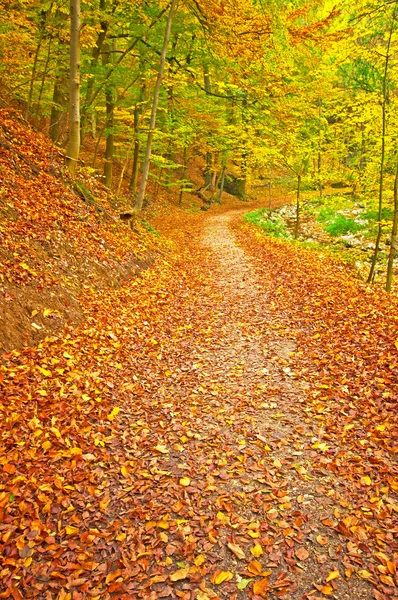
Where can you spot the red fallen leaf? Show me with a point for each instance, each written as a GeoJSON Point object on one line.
{"type": "Point", "coordinates": [342, 528]}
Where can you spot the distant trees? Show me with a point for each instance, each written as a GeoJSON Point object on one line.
{"type": "Point", "coordinates": [250, 87]}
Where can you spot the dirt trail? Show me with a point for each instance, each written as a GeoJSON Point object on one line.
{"type": "Point", "coordinates": [251, 362]}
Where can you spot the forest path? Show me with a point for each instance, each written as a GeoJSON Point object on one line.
{"type": "Point", "coordinates": [222, 427]}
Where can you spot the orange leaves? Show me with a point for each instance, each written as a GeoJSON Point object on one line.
{"type": "Point", "coordinates": [220, 577]}
{"type": "Point", "coordinates": [302, 554]}
{"type": "Point", "coordinates": [261, 587]}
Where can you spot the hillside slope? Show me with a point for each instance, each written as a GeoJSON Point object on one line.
{"type": "Point", "coordinates": [53, 244]}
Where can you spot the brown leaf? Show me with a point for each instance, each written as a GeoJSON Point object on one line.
{"type": "Point", "coordinates": [237, 550]}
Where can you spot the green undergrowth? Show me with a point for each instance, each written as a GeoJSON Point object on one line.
{"type": "Point", "coordinates": [150, 228]}
{"type": "Point", "coordinates": [273, 226]}
{"type": "Point", "coordinates": [341, 225]}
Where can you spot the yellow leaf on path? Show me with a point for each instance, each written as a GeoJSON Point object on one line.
{"type": "Point", "coordinates": [220, 576]}
{"type": "Point", "coordinates": [124, 471]}
{"type": "Point", "coordinates": [396, 344]}
{"type": "Point", "coordinates": [277, 463]}
{"type": "Point", "coordinates": [70, 530]}
{"type": "Point", "coordinates": [257, 550]}
{"type": "Point", "coordinates": [185, 481]}
{"type": "Point", "coordinates": [115, 411]}
{"type": "Point", "coordinates": [45, 372]}
{"type": "Point", "coordinates": [162, 449]}
{"type": "Point", "coordinates": [363, 574]}
{"type": "Point", "coordinates": [223, 518]}
{"type": "Point", "coordinates": [46, 445]}
{"type": "Point", "coordinates": [237, 550]}
{"type": "Point", "coordinates": [75, 451]}
{"type": "Point", "coordinates": [332, 575]}
{"type": "Point", "coordinates": [366, 480]}
{"type": "Point", "coordinates": [254, 534]}
{"type": "Point", "coordinates": [199, 560]}
{"type": "Point", "coordinates": [178, 575]}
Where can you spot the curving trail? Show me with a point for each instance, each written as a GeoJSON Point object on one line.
{"type": "Point", "coordinates": [224, 474]}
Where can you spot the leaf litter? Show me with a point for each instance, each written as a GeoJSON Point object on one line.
{"type": "Point", "coordinates": [221, 427]}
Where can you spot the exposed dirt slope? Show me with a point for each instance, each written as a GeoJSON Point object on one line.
{"type": "Point", "coordinates": [53, 245]}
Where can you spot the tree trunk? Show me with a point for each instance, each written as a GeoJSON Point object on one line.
{"type": "Point", "coordinates": [147, 160]}
{"type": "Point", "coordinates": [383, 152]}
{"type": "Point", "coordinates": [138, 111]}
{"type": "Point", "coordinates": [394, 235]}
{"type": "Point", "coordinates": [270, 191]}
{"type": "Point", "coordinates": [297, 223]}
{"type": "Point", "coordinates": [184, 173]}
{"type": "Point", "coordinates": [95, 54]}
{"type": "Point", "coordinates": [44, 75]}
{"type": "Point", "coordinates": [110, 108]}
{"type": "Point", "coordinates": [72, 153]}
{"type": "Point", "coordinates": [59, 113]}
{"type": "Point", "coordinates": [222, 182]}
{"type": "Point", "coordinates": [43, 24]}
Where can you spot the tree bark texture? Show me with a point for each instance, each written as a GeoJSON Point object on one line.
{"type": "Point", "coordinates": [72, 153]}
{"type": "Point", "coordinates": [147, 159]}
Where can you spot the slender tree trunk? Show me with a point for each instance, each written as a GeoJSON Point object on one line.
{"type": "Point", "coordinates": [72, 153]}
{"type": "Point", "coordinates": [383, 152]}
{"type": "Point", "coordinates": [95, 54]}
{"type": "Point", "coordinates": [222, 183]}
{"type": "Point", "coordinates": [184, 172]}
{"type": "Point", "coordinates": [208, 170]}
{"type": "Point", "coordinates": [43, 79]}
{"type": "Point", "coordinates": [152, 125]}
{"type": "Point", "coordinates": [43, 24]}
{"type": "Point", "coordinates": [58, 118]}
{"type": "Point", "coordinates": [270, 191]}
{"type": "Point", "coordinates": [110, 109]}
{"type": "Point", "coordinates": [394, 235]}
{"type": "Point", "coordinates": [297, 223]}
{"type": "Point", "coordinates": [138, 111]}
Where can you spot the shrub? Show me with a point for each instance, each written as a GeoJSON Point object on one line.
{"type": "Point", "coordinates": [275, 226]}
{"type": "Point", "coordinates": [341, 225]}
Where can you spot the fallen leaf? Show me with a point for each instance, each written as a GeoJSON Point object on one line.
{"type": "Point", "coordinates": [237, 550]}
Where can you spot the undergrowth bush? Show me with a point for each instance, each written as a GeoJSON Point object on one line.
{"type": "Point", "coordinates": [274, 226]}
{"type": "Point", "coordinates": [341, 225]}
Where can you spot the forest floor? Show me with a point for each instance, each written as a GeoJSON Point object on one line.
{"type": "Point", "coordinates": [223, 426]}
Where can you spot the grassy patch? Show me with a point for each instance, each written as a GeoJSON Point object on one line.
{"type": "Point", "coordinates": [273, 226]}
{"type": "Point", "coordinates": [341, 225]}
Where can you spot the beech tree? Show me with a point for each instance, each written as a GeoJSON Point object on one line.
{"type": "Point", "coordinates": [72, 152]}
